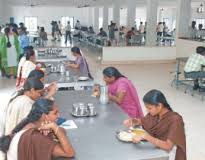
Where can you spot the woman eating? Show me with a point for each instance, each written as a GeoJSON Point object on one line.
{"type": "Point", "coordinates": [37, 136]}
{"type": "Point", "coordinates": [164, 127]}
{"type": "Point", "coordinates": [122, 91]}
{"type": "Point", "coordinates": [20, 105]}
{"type": "Point", "coordinates": [80, 63]}
{"type": "Point", "coordinates": [51, 89]}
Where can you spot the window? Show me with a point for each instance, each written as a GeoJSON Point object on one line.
{"type": "Point", "coordinates": [31, 24]}
{"type": "Point", "coordinates": [166, 20]}
{"type": "Point", "coordinates": [200, 21]}
{"type": "Point", "coordinates": [64, 21]}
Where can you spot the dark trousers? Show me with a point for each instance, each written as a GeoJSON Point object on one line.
{"type": "Point", "coordinates": [68, 34]}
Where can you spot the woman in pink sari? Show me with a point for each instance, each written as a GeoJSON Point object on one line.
{"type": "Point", "coordinates": [122, 92]}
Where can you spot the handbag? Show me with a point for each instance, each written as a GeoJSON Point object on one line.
{"type": "Point", "coordinates": [8, 44]}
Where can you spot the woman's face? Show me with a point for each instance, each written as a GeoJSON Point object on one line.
{"type": "Point", "coordinates": [153, 109]}
{"type": "Point", "coordinates": [42, 79]}
{"type": "Point", "coordinates": [33, 58]}
{"type": "Point", "coordinates": [53, 115]}
{"type": "Point", "coordinates": [74, 54]}
{"type": "Point", "coordinates": [108, 80]}
{"type": "Point", "coordinates": [36, 94]}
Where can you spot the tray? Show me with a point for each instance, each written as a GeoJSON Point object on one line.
{"type": "Point", "coordinates": [87, 115]}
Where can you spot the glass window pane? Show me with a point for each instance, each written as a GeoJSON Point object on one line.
{"type": "Point", "coordinates": [31, 23]}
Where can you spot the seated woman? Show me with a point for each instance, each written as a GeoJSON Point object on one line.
{"type": "Point", "coordinates": [122, 92]}
{"type": "Point", "coordinates": [37, 136]}
{"type": "Point", "coordinates": [165, 128]}
{"type": "Point", "coordinates": [51, 89]}
{"type": "Point", "coordinates": [20, 105]}
{"type": "Point", "coordinates": [38, 74]}
{"type": "Point", "coordinates": [80, 62]}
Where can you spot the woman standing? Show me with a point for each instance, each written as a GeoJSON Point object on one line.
{"type": "Point", "coordinates": [164, 127]}
{"type": "Point", "coordinates": [26, 65]}
{"type": "Point", "coordinates": [37, 136]}
{"type": "Point", "coordinates": [122, 92]}
{"type": "Point", "coordinates": [10, 51]}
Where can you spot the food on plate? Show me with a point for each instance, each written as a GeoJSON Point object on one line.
{"type": "Point", "coordinates": [125, 136]}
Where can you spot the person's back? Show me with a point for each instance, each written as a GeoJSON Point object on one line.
{"type": "Point", "coordinates": [194, 63]}
{"type": "Point", "coordinates": [43, 36]}
{"type": "Point", "coordinates": [24, 40]}
{"type": "Point", "coordinates": [28, 140]}
{"type": "Point", "coordinates": [16, 111]}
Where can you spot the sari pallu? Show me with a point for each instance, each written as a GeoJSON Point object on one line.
{"type": "Point", "coordinates": [170, 126]}
{"type": "Point", "coordinates": [130, 104]}
{"type": "Point", "coordinates": [35, 146]}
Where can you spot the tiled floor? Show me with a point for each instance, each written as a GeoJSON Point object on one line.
{"type": "Point", "coordinates": [146, 77]}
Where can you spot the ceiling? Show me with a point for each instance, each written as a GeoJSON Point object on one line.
{"type": "Point", "coordinates": [88, 2]}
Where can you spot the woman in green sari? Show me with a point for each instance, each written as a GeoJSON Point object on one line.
{"type": "Point", "coordinates": [9, 50]}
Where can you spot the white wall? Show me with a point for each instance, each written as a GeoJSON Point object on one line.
{"type": "Point", "coordinates": [185, 48]}
{"type": "Point", "coordinates": [123, 16]}
{"type": "Point", "coordinates": [47, 14]}
{"type": "Point", "coordinates": [133, 54]}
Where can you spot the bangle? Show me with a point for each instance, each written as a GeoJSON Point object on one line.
{"type": "Point", "coordinates": [56, 131]}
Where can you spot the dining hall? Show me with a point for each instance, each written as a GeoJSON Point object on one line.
{"type": "Point", "coordinates": [102, 79]}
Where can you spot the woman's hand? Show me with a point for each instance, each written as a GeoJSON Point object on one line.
{"type": "Point", "coordinates": [96, 90]}
{"type": "Point", "coordinates": [47, 127]}
{"type": "Point", "coordinates": [51, 89]}
{"type": "Point", "coordinates": [137, 139]}
{"type": "Point", "coordinates": [132, 122]}
{"type": "Point", "coordinates": [128, 122]}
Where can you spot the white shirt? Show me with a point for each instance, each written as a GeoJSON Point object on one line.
{"type": "Point", "coordinates": [160, 28]}
{"type": "Point", "coordinates": [12, 153]}
{"type": "Point", "coordinates": [21, 63]}
{"type": "Point", "coordinates": [28, 66]}
{"type": "Point", "coordinates": [68, 27]}
{"type": "Point", "coordinates": [17, 110]}
{"type": "Point", "coordinates": [78, 25]}
{"type": "Point", "coordinates": [141, 28]}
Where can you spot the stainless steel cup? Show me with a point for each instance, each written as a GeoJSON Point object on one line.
{"type": "Point", "coordinates": [91, 109]}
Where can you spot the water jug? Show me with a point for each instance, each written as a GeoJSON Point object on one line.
{"type": "Point", "coordinates": [104, 95]}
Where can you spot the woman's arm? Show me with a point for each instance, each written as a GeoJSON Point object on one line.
{"type": "Point", "coordinates": [63, 148]}
{"type": "Point", "coordinates": [73, 65]}
{"type": "Point", "coordinates": [118, 98]}
{"type": "Point", "coordinates": [165, 145]}
{"type": "Point", "coordinates": [132, 122]}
